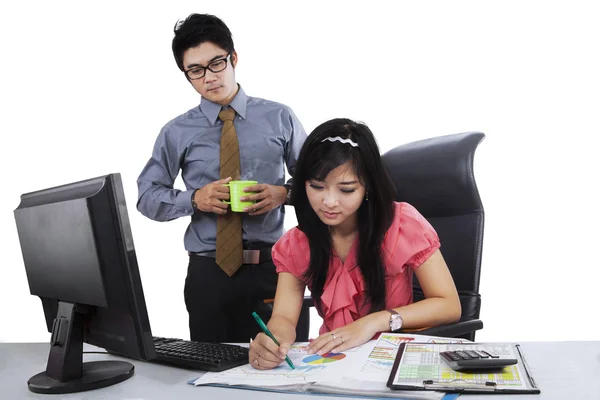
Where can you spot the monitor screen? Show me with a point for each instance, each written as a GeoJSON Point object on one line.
{"type": "Point", "coordinates": [80, 260]}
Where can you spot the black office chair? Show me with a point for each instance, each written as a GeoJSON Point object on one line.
{"type": "Point", "coordinates": [436, 176]}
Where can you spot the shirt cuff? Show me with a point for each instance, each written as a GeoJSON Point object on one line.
{"type": "Point", "coordinates": [184, 201]}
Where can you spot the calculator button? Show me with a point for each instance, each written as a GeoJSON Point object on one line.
{"type": "Point", "coordinates": [463, 355]}
{"type": "Point", "coordinates": [472, 353]}
{"type": "Point", "coordinates": [481, 354]}
{"type": "Point", "coordinates": [450, 356]}
{"type": "Point", "coordinates": [492, 354]}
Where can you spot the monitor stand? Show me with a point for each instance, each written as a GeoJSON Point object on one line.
{"type": "Point", "coordinates": [65, 372]}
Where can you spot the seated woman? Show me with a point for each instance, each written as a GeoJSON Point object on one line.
{"type": "Point", "coordinates": [356, 250]}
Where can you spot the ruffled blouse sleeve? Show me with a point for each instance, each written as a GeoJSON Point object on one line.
{"type": "Point", "coordinates": [291, 253]}
{"type": "Point", "coordinates": [410, 241]}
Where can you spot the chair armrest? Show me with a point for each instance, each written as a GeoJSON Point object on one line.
{"type": "Point", "coordinates": [308, 302]}
{"type": "Point", "coordinates": [450, 330]}
{"type": "Point", "coordinates": [462, 327]}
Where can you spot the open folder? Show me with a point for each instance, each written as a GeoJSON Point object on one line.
{"type": "Point", "coordinates": [419, 366]}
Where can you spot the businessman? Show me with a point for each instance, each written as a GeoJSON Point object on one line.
{"type": "Point", "coordinates": [229, 136]}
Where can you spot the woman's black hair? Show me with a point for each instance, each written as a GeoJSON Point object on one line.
{"type": "Point", "coordinates": [317, 159]}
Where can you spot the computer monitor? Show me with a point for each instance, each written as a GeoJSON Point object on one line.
{"type": "Point", "coordinates": [79, 258]}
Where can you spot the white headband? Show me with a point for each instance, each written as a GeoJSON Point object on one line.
{"type": "Point", "coordinates": [339, 139]}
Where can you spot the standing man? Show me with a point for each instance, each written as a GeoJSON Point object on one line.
{"type": "Point", "coordinates": [230, 135]}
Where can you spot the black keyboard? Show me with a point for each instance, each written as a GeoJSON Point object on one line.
{"type": "Point", "coordinates": [197, 355]}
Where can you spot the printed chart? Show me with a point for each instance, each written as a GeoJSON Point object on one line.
{"type": "Point", "coordinates": [324, 359]}
{"type": "Point", "coordinates": [386, 340]}
{"type": "Point", "coordinates": [422, 362]}
{"type": "Point", "coordinates": [383, 353]}
{"type": "Point", "coordinates": [381, 359]}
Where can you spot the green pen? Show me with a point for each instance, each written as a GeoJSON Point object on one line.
{"type": "Point", "coordinates": [269, 334]}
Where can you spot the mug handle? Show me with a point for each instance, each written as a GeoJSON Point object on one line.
{"type": "Point", "coordinates": [229, 186]}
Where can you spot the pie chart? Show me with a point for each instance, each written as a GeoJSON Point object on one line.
{"type": "Point", "coordinates": [324, 359]}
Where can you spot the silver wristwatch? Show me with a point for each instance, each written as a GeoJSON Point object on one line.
{"type": "Point", "coordinates": [396, 321]}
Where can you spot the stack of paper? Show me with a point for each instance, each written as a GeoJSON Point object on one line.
{"type": "Point", "coordinates": [362, 371]}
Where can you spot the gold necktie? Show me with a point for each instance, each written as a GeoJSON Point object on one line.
{"type": "Point", "coordinates": [229, 226]}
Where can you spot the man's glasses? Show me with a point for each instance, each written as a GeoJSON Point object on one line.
{"type": "Point", "coordinates": [215, 66]}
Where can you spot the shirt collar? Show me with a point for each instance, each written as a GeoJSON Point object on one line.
{"type": "Point", "coordinates": [211, 110]}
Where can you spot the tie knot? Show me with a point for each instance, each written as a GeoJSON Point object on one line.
{"type": "Point", "coordinates": [227, 114]}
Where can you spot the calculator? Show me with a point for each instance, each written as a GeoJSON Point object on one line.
{"type": "Point", "coordinates": [466, 360]}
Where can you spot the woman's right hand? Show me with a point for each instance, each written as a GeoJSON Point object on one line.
{"type": "Point", "coordinates": [265, 354]}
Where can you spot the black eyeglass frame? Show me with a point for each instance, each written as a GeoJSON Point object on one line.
{"type": "Point", "coordinates": [187, 73]}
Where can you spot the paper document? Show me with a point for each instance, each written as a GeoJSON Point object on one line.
{"type": "Point", "coordinates": [363, 370]}
{"type": "Point", "coordinates": [422, 362]}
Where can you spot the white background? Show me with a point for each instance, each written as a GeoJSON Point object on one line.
{"type": "Point", "coordinates": [85, 90]}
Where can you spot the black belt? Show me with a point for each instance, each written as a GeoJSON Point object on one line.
{"type": "Point", "coordinates": [249, 256]}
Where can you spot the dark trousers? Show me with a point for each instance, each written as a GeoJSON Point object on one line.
{"type": "Point", "coordinates": [220, 307]}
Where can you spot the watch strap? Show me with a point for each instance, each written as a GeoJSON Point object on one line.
{"type": "Point", "coordinates": [288, 196]}
{"type": "Point", "coordinates": [194, 205]}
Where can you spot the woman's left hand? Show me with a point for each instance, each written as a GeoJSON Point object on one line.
{"type": "Point", "coordinates": [344, 338]}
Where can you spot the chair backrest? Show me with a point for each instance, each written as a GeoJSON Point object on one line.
{"type": "Point", "coordinates": [436, 176]}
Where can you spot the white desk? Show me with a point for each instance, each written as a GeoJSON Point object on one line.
{"type": "Point", "coordinates": [562, 370]}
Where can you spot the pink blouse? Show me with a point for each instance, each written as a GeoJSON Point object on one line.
{"type": "Point", "coordinates": [409, 242]}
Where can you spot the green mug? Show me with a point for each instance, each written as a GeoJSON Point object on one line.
{"type": "Point", "coordinates": [236, 190]}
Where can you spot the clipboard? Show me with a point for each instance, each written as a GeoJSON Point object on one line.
{"type": "Point", "coordinates": [418, 366]}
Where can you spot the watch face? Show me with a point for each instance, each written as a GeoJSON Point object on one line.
{"type": "Point", "coordinates": [395, 322]}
